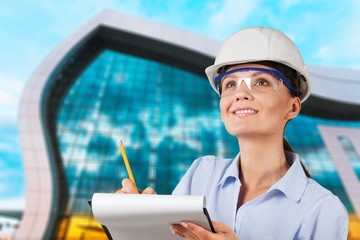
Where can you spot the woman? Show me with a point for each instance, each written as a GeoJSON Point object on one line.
{"type": "Point", "coordinates": [264, 192]}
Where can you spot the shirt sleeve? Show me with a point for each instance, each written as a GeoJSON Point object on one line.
{"type": "Point", "coordinates": [328, 219]}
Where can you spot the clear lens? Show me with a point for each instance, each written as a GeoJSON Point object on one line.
{"type": "Point", "coordinates": [256, 81]}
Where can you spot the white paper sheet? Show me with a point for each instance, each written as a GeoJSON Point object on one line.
{"type": "Point", "coordinates": [146, 216]}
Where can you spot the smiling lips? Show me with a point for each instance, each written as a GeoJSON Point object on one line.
{"type": "Point", "coordinates": [244, 111]}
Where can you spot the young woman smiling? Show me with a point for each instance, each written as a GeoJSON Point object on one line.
{"type": "Point", "coordinates": [265, 192]}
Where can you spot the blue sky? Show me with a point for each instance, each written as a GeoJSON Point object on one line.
{"type": "Point", "coordinates": [327, 33]}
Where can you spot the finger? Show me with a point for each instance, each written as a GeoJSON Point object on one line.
{"type": "Point", "coordinates": [220, 227]}
{"type": "Point", "coordinates": [176, 230]}
{"type": "Point", "coordinates": [180, 231]}
{"type": "Point", "coordinates": [148, 190]}
{"type": "Point", "coordinates": [128, 186]}
{"type": "Point", "coordinates": [197, 231]}
{"type": "Point", "coordinates": [223, 231]}
{"type": "Point", "coordinates": [121, 191]}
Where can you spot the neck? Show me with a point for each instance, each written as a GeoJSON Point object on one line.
{"type": "Point", "coordinates": [262, 162]}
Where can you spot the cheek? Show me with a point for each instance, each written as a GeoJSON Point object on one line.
{"type": "Point", "coordinates": [276, 109]}
{"type": "Point", "coordinates": [224, 106]}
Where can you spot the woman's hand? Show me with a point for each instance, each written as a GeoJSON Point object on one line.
{"type": "Point", "coordinates": [128, 187]}
{"type": "Point", "coordinates": [189, 231]}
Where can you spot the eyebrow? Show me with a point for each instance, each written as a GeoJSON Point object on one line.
{"type": "Point", "coordinates": [256, 73]}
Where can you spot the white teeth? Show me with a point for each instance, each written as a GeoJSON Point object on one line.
{"type": "Point", "coordinates": [245, 111]}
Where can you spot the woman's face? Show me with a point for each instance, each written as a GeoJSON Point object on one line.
{"type": "Point", "coordinates": [248, 112]}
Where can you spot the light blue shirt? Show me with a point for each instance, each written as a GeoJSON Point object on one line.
{"type": "Point", "coordinates": [295, 207]}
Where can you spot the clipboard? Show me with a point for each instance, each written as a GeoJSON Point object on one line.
{"type": "Point", "coordinates": [108, 235]}
{"type": "Point", "coordinates": [144, 216]}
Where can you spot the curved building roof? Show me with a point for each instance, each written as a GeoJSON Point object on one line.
{"type": "Point", "coordinates": [335, 93]}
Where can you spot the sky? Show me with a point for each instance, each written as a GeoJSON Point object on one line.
{"type": "Point", "coordinates": [326, 32]}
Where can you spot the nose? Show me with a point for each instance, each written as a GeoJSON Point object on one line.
{"type": "Point", "coordinates": [243, 92]}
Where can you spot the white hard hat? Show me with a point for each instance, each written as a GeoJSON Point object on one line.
{"type": "Point", "coordinates": [260, 44]}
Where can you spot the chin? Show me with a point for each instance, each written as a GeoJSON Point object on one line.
{"type": "Point", "coordinates": [240, 132]}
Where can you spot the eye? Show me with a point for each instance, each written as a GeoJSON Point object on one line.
{"type": "Point", "coordinates": [262, 82]}
{"type": "Point", "coordinates": [231, 84]}
{"type": "Point", "coordinates": [228, 83]}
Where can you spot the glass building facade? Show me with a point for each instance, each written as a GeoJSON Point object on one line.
{"type": "Point", "coordinates": [166, 115]}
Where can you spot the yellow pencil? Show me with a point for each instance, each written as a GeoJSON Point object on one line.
{"type": "Point", "coordinates": [127, 164]}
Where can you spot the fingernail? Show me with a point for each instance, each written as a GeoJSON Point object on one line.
{"type": "Point", "coordinates": [173, 232]}
{"type": "Point", "coordinates": [184, 224]}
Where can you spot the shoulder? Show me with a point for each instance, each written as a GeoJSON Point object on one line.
{"type": "Point", "coordinates": [323, 204]}
{"type": "Point", "coordinates": [206, 170]}
{"type": "Point", "coordinates": [319, 195]}
{"type": "Point", "coordinates": [210, 166]}
{"type": "Point", "coordinates": [325, 211]}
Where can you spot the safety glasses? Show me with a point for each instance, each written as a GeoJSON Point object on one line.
{"type": "Point", "coordinates": [259, 80]}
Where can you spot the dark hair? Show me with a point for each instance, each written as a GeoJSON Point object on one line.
{"type": "Point", "coordinates": [294, 77]}
{"type": "Point", "coordinates": [287, 147]}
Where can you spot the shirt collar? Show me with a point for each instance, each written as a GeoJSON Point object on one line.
{"type": "Point", "coordinates": [294, 182]}
{"type": "Point", "coordinates": [232, 172]}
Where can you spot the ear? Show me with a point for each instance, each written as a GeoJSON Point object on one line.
{"type": "Point", "coordinates": [294, 109]}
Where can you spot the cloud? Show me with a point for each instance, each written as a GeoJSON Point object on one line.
{"type": "Point", "coordinates": [78, 12]}
{"type": "Point", "coordinates": [230, 15]}
{"type": "Point", "coordinates": [286, 4]}
{"type": "Point", "coordinates": [6, 147]}
{"type": "Point", "coordinates": [342, 50]}
{"type": "Point", "coordinates": [10, 91]}
{"type": "Point", "coordinates": [12, 177]}
{"type": "Point", "coordinates": [28, 37]}
{"type": "Point", "coordinates": [3, 187]}
{"type": "Point", "coordinates": [340, 42]}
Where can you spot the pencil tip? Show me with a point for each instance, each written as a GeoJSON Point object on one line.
{"type": "Point", "coordinates": [121, 141]}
